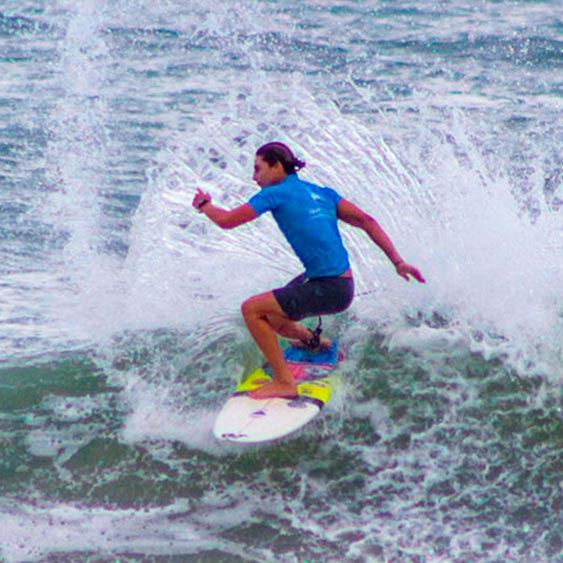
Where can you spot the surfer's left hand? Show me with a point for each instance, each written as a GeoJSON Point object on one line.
{"type": "Point", "coordinates": [405, 270]}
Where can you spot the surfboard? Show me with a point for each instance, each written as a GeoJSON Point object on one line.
{"type": "Point", "coordinates": [252, 421]}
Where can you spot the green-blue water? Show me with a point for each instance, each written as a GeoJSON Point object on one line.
{"type": "Point", "coordinates": [120, 331]}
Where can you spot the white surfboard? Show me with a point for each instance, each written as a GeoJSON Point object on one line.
{"type": "Point", "coordinates": [246, 420]}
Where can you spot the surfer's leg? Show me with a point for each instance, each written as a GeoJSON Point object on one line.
{"type": "Point", "coordinates": [258, 312]}
{"type": "Point", "coordinates": [300, 334]}
{"type": "Point", "coordinates": [289, 329]}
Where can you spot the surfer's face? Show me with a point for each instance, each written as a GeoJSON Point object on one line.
{"type": "Point", "coordinates": [266, 175]}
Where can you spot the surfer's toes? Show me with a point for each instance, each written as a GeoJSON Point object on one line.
{"type": "Point", "coordinates": [274, 390]}
{"type": "Point", "coordinates": [324, 345]}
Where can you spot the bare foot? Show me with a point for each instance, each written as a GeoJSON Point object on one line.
{"type": "Point", "coordinates": [325, 344]}
{"type": "Point", "coordinates": [284, 390]}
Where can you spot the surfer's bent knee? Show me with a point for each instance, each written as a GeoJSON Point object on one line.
{"type": "Point", "coordinates": [258, 305]}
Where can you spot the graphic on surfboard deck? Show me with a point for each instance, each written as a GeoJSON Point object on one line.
{"type": "Point", "coordinates": [246, 420]}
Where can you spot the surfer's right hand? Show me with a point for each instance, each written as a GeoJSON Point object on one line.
{"type": "Point", "coordinates": [200, 199]}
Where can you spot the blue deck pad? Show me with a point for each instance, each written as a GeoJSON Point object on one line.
{"type": "Point", "coordinates": [303, 355]}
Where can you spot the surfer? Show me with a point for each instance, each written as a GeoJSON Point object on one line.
{"type": "Point", "coordinates": [307, 215]}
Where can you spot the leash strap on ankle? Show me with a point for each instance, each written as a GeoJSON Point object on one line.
{"type": "Point", "coordinates": [315, 340]}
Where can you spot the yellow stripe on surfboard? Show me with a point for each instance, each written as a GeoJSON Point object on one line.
{"type": "Point", "coordinates": [318, 389]}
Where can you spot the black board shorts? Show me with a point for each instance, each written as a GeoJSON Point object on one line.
{"type": "Point", "coordinates": [303, 297]}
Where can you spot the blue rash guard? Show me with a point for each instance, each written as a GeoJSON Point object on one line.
{"type": "Point", "coordinates": [307, 216]}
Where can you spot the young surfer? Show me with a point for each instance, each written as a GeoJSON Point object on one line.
{"type": "Point", "coordinates": [307, 215]}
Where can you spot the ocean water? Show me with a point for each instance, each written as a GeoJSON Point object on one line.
{"type": "Point", "coordinates": [120, 330]}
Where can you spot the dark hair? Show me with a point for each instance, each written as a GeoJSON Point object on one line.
{"type": "Point", "coordinates": [278, 152]}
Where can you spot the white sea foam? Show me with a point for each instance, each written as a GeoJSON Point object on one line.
{"type": "Point", "coordinates": [154, 417]}
{"type": "Point", "coordinates": [459, 164]}
{"type": "Point", "coordinates": [29, 533]}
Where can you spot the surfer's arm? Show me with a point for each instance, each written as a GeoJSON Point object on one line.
{"type": "Point", "coordinates": [222, 217]}
{"type": "Point", "coordinates": [353, 215]}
